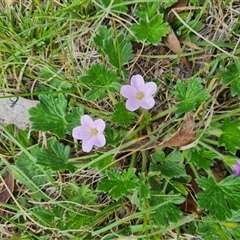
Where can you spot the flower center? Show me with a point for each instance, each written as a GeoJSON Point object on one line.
{"type": "Point", "coordinates": [94, 131]}
{"type": "Point", "coordinates": [140, 96]}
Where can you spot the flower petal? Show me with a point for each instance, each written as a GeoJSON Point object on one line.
{"type": "Point", "coordinates": [87, 145]}
{"type": "Point", "coordinates": [147, 103]}
{"type": "Point", "coordinates": [150, 88]}
{"type": "Point", "coordinates": [236, 170]}
{"type": "Point", "coordinates": [99, 140]}
{"type": "Point", "coordinates": [128, 91]}
{"type": "Point", "coordinates": [137, 82]}
{"type": "Point", "coordinates": [87, 121]}
{"type": "Point", "coordinates": [100, 125]}
{"type": "Point", "coordinates": [81, 132]}
{"type": "Point", "coordinates": [132, 104]}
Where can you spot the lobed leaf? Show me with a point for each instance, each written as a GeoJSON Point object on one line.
{"type": "Point", "coordinates": [150, 31]}
{"type": "Point", "coordinates": [232, 77]}
{"type": "Point", "coordinates": [121, 116]}
{"type": "Point", "coordinates": [147, 11]}
{"type": "Point", "coordinates": [202, 157]}
{"type": "Point", "coordinates": [210, 228]}
{"type": "Point", "coordinates": [56, 160]}
{"type": "Point", "coordinates": [230, 135]}
{"type": "Point", "coordinates": [167, 213]}
{"type": "Point", "coordinates": [114, 136]}
{"type": "Point", "coordinates": [73, 119]}
{"type": "Point", "coordinates": [121, 8]}
{"type": "Point", "coordinates": [118, 49]}
{"type": "Point", "coordinates": [219, 198]}
{"type": "Point", "coordinates": [100, 80]}
{"type": "Point", "coordinates": [50, 114]}
{"type": "Point", "coordinates": [190, 95]}
{"type": "Point", "coordinates": [169, 166]}
{"type": "Point", "coordinates": [117, 184]}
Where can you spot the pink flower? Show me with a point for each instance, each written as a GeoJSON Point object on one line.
{"type": "Point", "coordinates": [139, 94]}
{"type": "Point", "coordinates": [236, 168]}
{"type": "Point", "coordinates": [91, 133]}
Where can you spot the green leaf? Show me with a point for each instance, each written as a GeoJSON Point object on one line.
{"type": "Point", "coordinates": [105, 163]}
{"type": "Point", "coordinates": [178, 186]}
{"type": "Point", "coordinates": [54, 78]}
{"type": "Point", "coordinates": [202, 157]}
{"type": "Point", "coordinates": [190, 95]}
{"type": "Point", "coordinates": [155, 183]}
{"type": "Point", "coordinates": [169, 166]}
{"type": "Point", "coordinates": [50, 114]}
{"type": "Point", "coordinates": [77, 220]}
{"type": "Point", "coordinates": [29, 168]}
{"type": "Point", "coordinates": [115, 86]}
{"type": "Point", "coordinates": [118, 50]}
{"type": "Point", "coordinates": [22, 136]}
{"type": "Point", "coordinates": [232, 76]}
{"type": "Point", "coordinates": [147, 11]}
{"type": "Point", "coordinates": [144, 188]}
{"type": "Point", "coordinates": [73, 119]}
{"type": "Point", "coordinates": [100, 80]}
{"type": "Point", "coordinates": [141, 193]}
{"type": "Point", "coordinates": [168, 3]}
{"type": "Point", "coordinates": [122, 117]}
{"type": "Point", "coordinates": [82, 195]}
{"type": "Point", "coordinates": [43, 215]}
{"type": "Point", "coordinates": [150, 31]}
{"type": "Point", "coordinates": [212, 229]}
{"type": "Point", "coordinates": [167, 213]}
{"type": "Point", "coordinates": [55, 158]}
{"type": "Point", "coordinates": [113, 136]}
{"type": "Point", "coordinates": [95, 93]}
{"type": "Point", "coordinates": [122, 9]}
{"type": "Point", "coordinates": [230, 135]}
{"type": "Point", "coordinates": [219, 198]}
{"type": "Point", "coordinates": [117, 184]}
{"type": "Point", "coordinates": [103, 33]}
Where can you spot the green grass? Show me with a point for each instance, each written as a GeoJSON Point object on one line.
{"type": "Point", "coordinates": [60, 192]}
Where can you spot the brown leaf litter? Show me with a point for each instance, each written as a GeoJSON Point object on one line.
{"type": "Point", "coordinates": [183, 136]}
{"type": "Point", "coordinates": [7, 190]}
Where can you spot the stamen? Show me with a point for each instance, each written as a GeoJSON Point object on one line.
{"type": "Point", "coordinates": [140, 96]}
{"type": "Point", "coordinates": [94, 132]}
